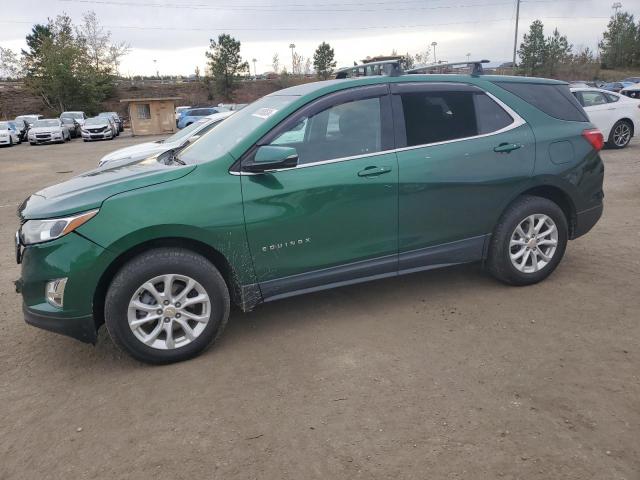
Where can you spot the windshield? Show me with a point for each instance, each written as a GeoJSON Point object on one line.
{"type": "Point", "coordinates": [73, 114]}
{"type": "Point", "coordinates": [107, 114]}
{"type": "Point", "coordinates": [186, 132]}
{"type": "Point", "coordinates": [95, 121]}
{"type": "Point", "coordinates": [4, 126]}
{"type": "Point", "coordinates": [234, 129]}
{"type": "Point", "coordinates": [46, 123]}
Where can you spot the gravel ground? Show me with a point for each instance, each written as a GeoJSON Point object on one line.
{"type": "Point", "coordinates": [441, 375]}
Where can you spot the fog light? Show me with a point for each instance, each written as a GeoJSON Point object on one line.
{"type": "Point", "coordinates": [55, 292]}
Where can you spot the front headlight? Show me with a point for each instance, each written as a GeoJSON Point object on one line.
{"type": "Point", "coordinates": [38, 231]}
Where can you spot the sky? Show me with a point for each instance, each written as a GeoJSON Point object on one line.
{"type": "Point", "coordinates": [176, 33]}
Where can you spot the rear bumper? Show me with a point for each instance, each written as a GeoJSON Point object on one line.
{"type": "Point", "coordinates": [586, 219]}
{"type": "Point", "coordinates": [81, 328]}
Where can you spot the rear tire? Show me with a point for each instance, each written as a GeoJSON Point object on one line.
{"type": "Point", "coordinates": [138, 291]}
{"type": "Point", "coordinates": [528, 242]}
{"type": "Point", "coordinates": [620, 134]}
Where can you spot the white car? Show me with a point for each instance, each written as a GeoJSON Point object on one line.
{"type": "Point", "coordinates": [177, 140]}
{"type": "Point", "coordinates": [48, 130]}
{"type": "Point", "coordinates": [615, 115]}
{"type": "Point", "coordinates": [98, 128]}
{"type": "Point", "coordinates": [8, 134]}
{"type": "Point", "coordinates": [78, 116]}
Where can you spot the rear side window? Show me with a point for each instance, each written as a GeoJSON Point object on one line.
{"type": "Point", "coordinates": [592, 98]}
{"type": "Point", "coordinates": [554, 100]}
{"type": "Point", "coordinates": [611, 98]}
{"type": "Point", "coordinates": [439, 116]}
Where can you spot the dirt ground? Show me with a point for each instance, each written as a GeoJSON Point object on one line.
{"type": "Point", "coordinates": [438, 375]}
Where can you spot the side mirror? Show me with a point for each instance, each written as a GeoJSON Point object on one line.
{"type": "Point", "coordinates": [272, 157]}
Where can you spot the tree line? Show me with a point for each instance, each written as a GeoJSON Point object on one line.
{"type": "Point", "coordinates": [543, 56]}
{"type": "Point", "coordinates": [68, 66]}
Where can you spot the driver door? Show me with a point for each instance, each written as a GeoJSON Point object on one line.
{"type": "Point", "coordinates": [332, 219]}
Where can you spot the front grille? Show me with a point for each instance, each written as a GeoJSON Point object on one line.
{"type": "Point", "coordinates": [96, 130]}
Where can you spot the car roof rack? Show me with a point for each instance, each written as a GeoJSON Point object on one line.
{"type": "Point", "coordinates": [390, 68]}
{"type": "Point", "coordinates": [476, 70]}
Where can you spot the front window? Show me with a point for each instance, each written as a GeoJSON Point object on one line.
{"type": "Point", "coordinates": [46, 123]}
{"type": "Point", "coordinates": [96, 121]}
{"type": "Point", "coordinates": [235, 129]}
{"type": "Point", "coordinates": [344, 130]}
{"type": "Point", "coordinates": [143, 111]}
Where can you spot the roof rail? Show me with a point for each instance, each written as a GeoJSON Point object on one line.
{"type": "Point", "coordinates": [477, 66]}
{"type": "Point", "coordinates": [391, 68]}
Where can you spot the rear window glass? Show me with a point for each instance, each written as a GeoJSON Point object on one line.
{"type": "Point", "coordinates": [554, 100]}
{"type": "Point", "coordinates": [432, 117]}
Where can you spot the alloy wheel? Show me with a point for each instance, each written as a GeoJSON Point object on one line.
{"type": "Point", "coordinates": [533, 243]}
{"type": "Point", "coordinates": [169, 311]}
{"type": "Point", "coordinates": [621, 134]}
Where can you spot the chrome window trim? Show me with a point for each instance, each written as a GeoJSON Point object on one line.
{"type": "Point", "coordinates": [518, 121]}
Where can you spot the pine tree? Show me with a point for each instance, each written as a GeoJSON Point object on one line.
{"type": "Point", "coordinates": [532, 49]}
{"type": "Point", "coordinates": [323, 60]}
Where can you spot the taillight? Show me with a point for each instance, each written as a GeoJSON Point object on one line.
{"type": "Point", "coordinates": [594, 137]}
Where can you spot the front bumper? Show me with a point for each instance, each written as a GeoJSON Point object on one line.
{"type": "Point", "coordinates": [81, 328]}
{"type": "Point", "coordinates": [5, 140]}
{"type": "Point", "coordinates": [97, 136]}
{"type": "Point", "coordinates": [83, 263]}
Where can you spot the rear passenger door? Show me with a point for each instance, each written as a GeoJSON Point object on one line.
{"type": "Point", "coordinates": [601, 111]}
{"type": "Point", "coordinates": [462, 155]}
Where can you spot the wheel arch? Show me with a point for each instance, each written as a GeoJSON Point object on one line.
{"type": "Point", "coordinates": [214, 256]}
{"type": "Point", "coordinates": [558, 196]}
{"type": "Point", "coordinates": [630, 122]}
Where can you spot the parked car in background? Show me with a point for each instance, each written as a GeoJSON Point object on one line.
{"type": "Point", "coordinates": [23, 127]}
{"type": "Point", "coordinates": [79, 117]}
{"type": "Point", "coordinates": [72, 125]}
{"type": "Point", "coordinates": [116, 118]}
{"type": "Point", "coordinates": [232, 106]}
{"type": "Point", "coordinates": [632, 91]}
{"type": "Point", "coordinates": [98, 128]}
{"type": "Point", "coordinates": [176, 141]}
{"type": "Point", "coordinates": [30, 119]}
{"type": "Point", "coordinates": [192, 115]}
{"type": "Point", "coordinates": [48, 130]}
{"type": "Point", "coordinates": [9, 134]}
{"type": "Point", "coordinates": [616, 86]}
{"type": "Point", "coordinates": [382, 177]}
{"type": "Point", "coordinates": [615, 115]}
{"type": "Point", "coordinates": [632, 80]}
{"type": "Point", "coordinates": [179, 111]}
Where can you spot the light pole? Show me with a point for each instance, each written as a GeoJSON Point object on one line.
{"type": "Point", "coordinates": [515, 35]}
{"type": "Point", "coordinates": [255, 72]}
{"type": "Point", "coordinates": [468, 56]}
{"type": "Point", "coordinates": [292, 46]}
{"type": "Point", "coordinates": [434, 44]}
{"type": "Point", "coordinates": [155, 67]}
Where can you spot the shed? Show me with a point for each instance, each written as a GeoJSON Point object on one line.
{"type": "Point", "coordinates": [152, 116]}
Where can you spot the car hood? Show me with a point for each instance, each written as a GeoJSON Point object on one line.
{"type": "Point", "coordinates": [138, 152]}
{"type": "Point", "coordinates": [44, 129]}
{"type": "Point", "coordinates": [96, 125]}
{"type": "Point", "coordinates": [89, 190]}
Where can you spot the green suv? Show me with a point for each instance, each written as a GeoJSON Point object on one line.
{"type": "Point", "coordinates": [312, 187]}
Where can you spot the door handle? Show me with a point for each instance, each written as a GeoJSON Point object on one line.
{"type": "Point", "coordinates": [506, 147]}
{"type": "Point", "coordinates": [373, 171]}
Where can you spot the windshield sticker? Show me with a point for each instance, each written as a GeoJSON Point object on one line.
{"type": "Point", "coordinates": [264, 112]}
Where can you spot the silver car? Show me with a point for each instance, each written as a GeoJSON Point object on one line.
{"type": "Point", "coordinates": [177, 140]}
{"type": "Point", "coordinates": [48, 130]}
{"type": "Point", "coordinates": [98, 128]}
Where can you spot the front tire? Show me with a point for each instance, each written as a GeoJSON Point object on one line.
{"type": "Point", "coordinates": [528, 242]}
{"type": "Point", "coordinates": [620, 134]}
{"type": "Point", "coordinates": [166, 305]}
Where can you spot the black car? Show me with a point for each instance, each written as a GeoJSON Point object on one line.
{"type": "Point", "coordinates": [23, 128]}
{"type": "Point", "coordinates": [73, 125]}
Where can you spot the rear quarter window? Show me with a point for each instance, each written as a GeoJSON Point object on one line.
{"type": "Point", "coordinates": [554, 100]}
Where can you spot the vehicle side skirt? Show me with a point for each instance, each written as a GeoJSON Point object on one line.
{"type": "Point", "coordinates": [454, 253]}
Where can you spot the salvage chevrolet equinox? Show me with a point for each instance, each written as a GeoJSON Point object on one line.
{"type": "Point", "coordinates": [312, 187]}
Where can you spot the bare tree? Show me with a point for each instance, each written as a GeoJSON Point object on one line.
{"type": "Point", "coordinates": [297, 64]}
{"type": "Point", "coordinates": [103, 54]}
{"type": "Point", "coordinates": [9, 64]}
{"type": "Point", "coordinates": [275, 63]}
